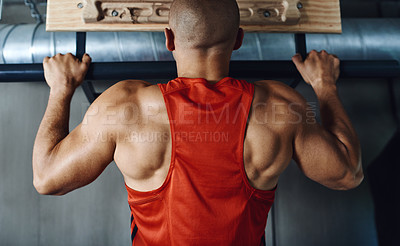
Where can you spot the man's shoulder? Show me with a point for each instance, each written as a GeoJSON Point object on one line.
{"type": "Point", "coordinates": [129, 87]}
{"type": "Point", "coordinates": [127, 91]}
{"type": "Point", "coordinates": [275, 91]}
{"type": "Point", "coordinates": [123, 100]}
{"type": "Point", "coordinates": [279, 103]}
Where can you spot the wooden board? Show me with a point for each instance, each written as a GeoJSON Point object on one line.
{"type": "Point", "coordinates": [315, 16]}
{"type": "Point", "coordinates": [252, 12]}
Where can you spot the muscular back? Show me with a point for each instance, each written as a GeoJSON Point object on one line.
{"type": "Point", "coordinates": [143, 146]}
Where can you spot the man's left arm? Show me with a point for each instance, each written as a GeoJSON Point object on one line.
{"type": "Point", "coordinates": [64, 161]}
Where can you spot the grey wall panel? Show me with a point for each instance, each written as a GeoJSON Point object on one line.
{"type": "Point", "coordinates": [309, 214]}
{"type": "Point", "coordinates": [18, 201]}
{"type": "Point", "coordinates": [95, 215]}
{"type": "Point", "coordinates": [369, 103]}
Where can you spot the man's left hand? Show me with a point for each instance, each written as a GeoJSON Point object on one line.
{"type": "Point", "coordinates": [64, 73]}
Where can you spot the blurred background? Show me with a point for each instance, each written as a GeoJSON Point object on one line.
{"type": "Point", "coordinates": [305, 213]}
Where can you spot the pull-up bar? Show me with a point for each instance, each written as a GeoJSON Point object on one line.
{"type": "Point", "coordinates": [167, 70]}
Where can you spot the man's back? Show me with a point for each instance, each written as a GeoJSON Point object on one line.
{"type": "Point", "coordinates": [205, 179]}
{"type": "Point", "coordinates": [143, 151]}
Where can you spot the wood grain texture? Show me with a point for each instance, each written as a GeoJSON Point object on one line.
{"type": "Point", "coordinates": [157, 11]}
{"type": "Point", "coordinates": [317, 16]}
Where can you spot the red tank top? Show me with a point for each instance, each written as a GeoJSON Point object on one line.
{"type": "Point", "coordinates": [206, 198]}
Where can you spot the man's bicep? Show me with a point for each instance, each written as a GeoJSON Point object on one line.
{"type": "Point", "coordinates": [80, 157]}
{"type": "Point", "coordinates": [319, 154]}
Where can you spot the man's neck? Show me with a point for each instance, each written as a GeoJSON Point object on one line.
{"type": "Point", "coordinates": [212, 66]}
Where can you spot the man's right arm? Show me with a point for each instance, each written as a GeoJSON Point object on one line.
{"type": "Point", "coordinates": [329, 153]}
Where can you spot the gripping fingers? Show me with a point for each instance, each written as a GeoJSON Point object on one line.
{"type": "Point", "coordinates": [298, 61]}
{"type": "Point", "coordinates": [301, 67]}
{"type": "Point", "coordinates": [86, 60]}
{"type": "Point", "coordinates": [46, 59]}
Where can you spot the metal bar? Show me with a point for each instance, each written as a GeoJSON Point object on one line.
{"type": "Point", "coordinates": [167, 70]}
{"type": "Point", "coordinates": [87, 86]}
{"type": "Point", "coordinates": [90, 93]}
{"type": "Point", "coordinates": [393, 102]}
{"type": "Point", "coordinates": [80, 44]}
{"type": "Point", "coordinates": [1, 8]}
{"type": "Point", "coordinates": [301, 48]}
{"type": "Point", "coordinates": [301, 45]}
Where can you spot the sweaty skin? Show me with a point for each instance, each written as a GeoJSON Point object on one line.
{"type": "Point", "coordinates": [128, 123]}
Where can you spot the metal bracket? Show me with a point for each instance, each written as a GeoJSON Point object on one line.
{"type": "Point", "coordinates": [1, 7]}
{"type": "Point", "coordinates": [393, 102]}
{"type": "Point", "coordinates": [301, 48]}
{"type": "Point", "coordinates": [87, 86]}
{"type": "Point", "coordinates": [80, 44]}
{"type": "Point", "coordinates": [34, 10]}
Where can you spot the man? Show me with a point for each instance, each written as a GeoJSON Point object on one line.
{"type": "Point", "coordinates": [200, 156]}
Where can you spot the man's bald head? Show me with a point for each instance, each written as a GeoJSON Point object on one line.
{"type": "Point", "coordinates": [202, 24]}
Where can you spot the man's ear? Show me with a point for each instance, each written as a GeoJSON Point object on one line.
{"type": "Point", "coordinates": [239, 39]}
{"type": "Point", "coordinates": [169, 39]}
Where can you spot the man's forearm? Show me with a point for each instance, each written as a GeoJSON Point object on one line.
{"type": "Point", "coordinates": [336, 121]}
{"type": "Point", "coordinates": [53, 128]}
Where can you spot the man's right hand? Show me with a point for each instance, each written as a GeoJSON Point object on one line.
{"type": "Point", "coordinates": [320, 69]}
